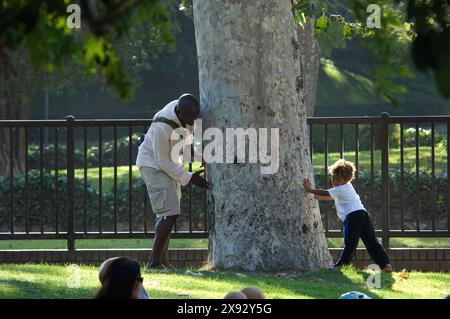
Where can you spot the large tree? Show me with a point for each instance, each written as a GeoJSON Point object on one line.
{"type": "Point", "coordinates": [250, 76]}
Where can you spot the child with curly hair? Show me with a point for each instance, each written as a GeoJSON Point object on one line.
{"type": "Point", "coordinates": [350, 210]}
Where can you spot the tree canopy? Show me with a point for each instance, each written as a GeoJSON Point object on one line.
{"type": "Point", "coordinates": [41, 26]}
{"type": "Point", "coordinates": [417, 29]}
{"type": "Point", "coordinates": [410, 29]}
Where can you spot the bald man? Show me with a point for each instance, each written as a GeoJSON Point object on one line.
{"type": "Point", "coordinates": [164, 173]}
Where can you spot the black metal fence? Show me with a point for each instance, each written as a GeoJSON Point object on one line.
{"type": "Point", "coordinates": [79, 181]}
{"type": "Point", "coordinates": [77, 178]}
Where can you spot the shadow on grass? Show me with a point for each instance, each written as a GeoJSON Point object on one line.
{"type": "Point", "coordinates": [386, 282]}
{"type": "Point", "coordinates": [15, 289]}
{"type": "Point", "coordinates": [319, 284]}
{"type": "Point", "coordinates": [45, 269]}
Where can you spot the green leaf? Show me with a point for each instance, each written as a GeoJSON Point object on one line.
{"type": "Point", "coordinates": [331, 38]}
{"type": "Point", "coordinates": [322, 22]}
{"type": "Point", "coordinates": [298, 20]}
{"type": "Point", "coordinates": [303, 17]}
{"type": "Point", "coordinates": [347, 31]}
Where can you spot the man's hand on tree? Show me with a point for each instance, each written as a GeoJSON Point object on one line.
{"type": "Point", "coordinates": [199, 181]}
{"type": "Point", "coordinates": [307, 184]}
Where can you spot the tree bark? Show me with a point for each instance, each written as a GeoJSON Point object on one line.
{"type": "Point", "coordinates": [8, 112]}
{"type": "Point", "coordinates": [310, 61]}
{"type": "Point", "coordinates": [250, 76]}
{"type": "Point", "coordinates": [13, 106]}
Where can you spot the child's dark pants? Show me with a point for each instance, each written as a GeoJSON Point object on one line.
{"type": "Point", "coordinates": [358, 224]}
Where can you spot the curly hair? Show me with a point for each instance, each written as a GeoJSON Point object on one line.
{"type": "Point", "coordinates": [343, 169]}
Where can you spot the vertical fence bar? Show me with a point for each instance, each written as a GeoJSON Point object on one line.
{"type": "Point", "coordinates": [145, 198]}
{"type": "Point", "coordinates": [402, 176]}
{"type": "Point", "coordinates": [325, 157]}
{"type": "Point", "coordinates": [70, 180]}
{"type": "Point", "coordinates": [372, 166]}
{"type": "Point", "coordinates": [417, 178]}
{"type": "Point", "coordinates": [100, 179]}
{"type": "Point", "coordinates": [341, 151]}
{"type": "Point", "coordinates": [27, 208]}
{"type": "Point", "coordinates": [190, 193]}
{"type": "Point", "coordinates": [130, 179]}
{"type": "Point", "coordinates": [385, 178]}
{"type": "Point", "coordinates": [433, 179]}
{"type": "Point", "coordinates": [85, 165]}
{"type": "Point", "coordinates": [357, 156]}
{"type": "Point", "coordinates": [11, 177]}
{"type": "Point", "coordinates": [448, 174]}
{"type": "Point", "coordinates": [41, 177]}
{"type": "Point", "coordinates": [115, 176]}
{"type": "Point", "coordinates": [145, 210]}
{"type": "Point", "coordinates": [205, 209]}
{"type": "Point", "coordinates": [55, 194]}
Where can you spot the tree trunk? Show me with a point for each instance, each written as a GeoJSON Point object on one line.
{"type": "Point", "coordinates": [13, 106]}
{"type": "Point", "coordinates": [9, 110]}
{"type": "Point", "coordinates": [250, 76]}
{"type": "Point", "coordinates": [310, 61]}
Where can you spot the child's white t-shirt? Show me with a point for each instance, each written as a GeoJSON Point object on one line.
{"type": "Point", "coordinates": [346, 200]}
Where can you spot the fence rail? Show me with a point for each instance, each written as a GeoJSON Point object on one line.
{"type": "Point", "coordinates": [76, 178]}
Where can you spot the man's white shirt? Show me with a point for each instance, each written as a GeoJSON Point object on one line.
{"type": "Point", "coordinates": [156, 149]}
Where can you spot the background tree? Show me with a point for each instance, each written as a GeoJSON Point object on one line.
{"type": "Point", "coordinates": [310, 62]}
{"type": "Point", "coordinates": [42, 27]}
{"type": "Point", "coordinates": [409, 29]}
{"type": "Point", "coordinates": [59, 62]}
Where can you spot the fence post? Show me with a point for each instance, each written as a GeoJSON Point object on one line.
{"type": "Point", "coordinates": [385, 179]}
{"type": "Point", "coordinates": [70, 181]}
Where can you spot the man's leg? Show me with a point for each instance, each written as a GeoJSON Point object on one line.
{"type": "Point", "coordinates": [374, 248]}
{"type": "Point", "coordinates": [352, 230]}
{"type": "Point", "coordinates": [162, 233]}
{"type": "Point", "coordinates": [165, 254]}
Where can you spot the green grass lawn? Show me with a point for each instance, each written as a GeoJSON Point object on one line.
{"type": "Point", "coordinates": [49, 281]}
{"type": "Point", "coordinates": [194, 243]}
{"type": "Point", "coordinates": [99, 243]}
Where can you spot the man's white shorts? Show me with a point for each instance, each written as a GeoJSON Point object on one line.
{"type": "Point", "coordinates": [164, 192]}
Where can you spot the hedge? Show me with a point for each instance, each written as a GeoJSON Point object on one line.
{"type": "Point", "coordinates": [92, 154]}
{"type": "Point", "coordinates": [139, 196]}
{"type": "Point", "coordinates": [51, 192]}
